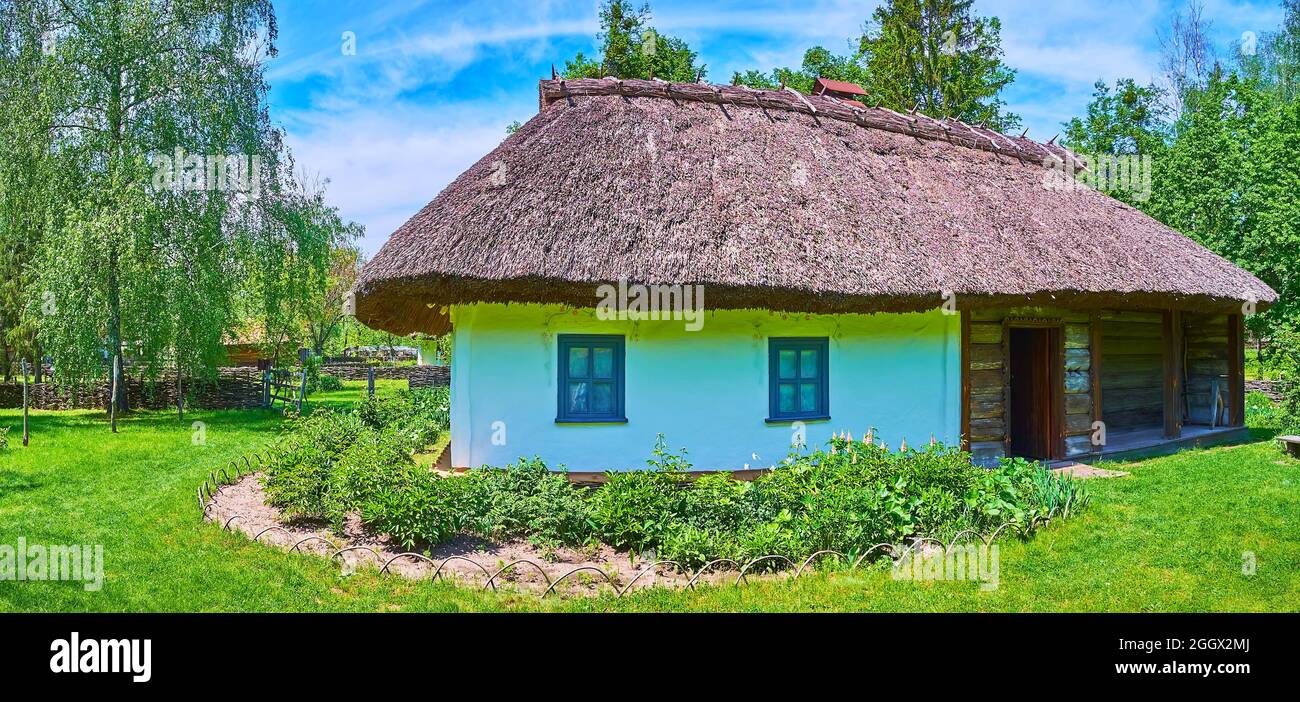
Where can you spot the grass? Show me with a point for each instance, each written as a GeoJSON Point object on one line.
{"type": "Point", "coordinates": [1255, 370]}
{"type": "Point", "coordinates": [1171, 537]}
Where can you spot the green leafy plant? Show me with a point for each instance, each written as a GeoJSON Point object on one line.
{"type": "Point", "coordinates": [845, 498]}
{"type": "Point", "coordinates": [633, 510]}
{"type": "Point", "coordinates": [298, 474]}
{"type": "Point", "coordinates": [329, 383]}
{"type": "Point", "coordinates": [526, 500]}
{"type": "Point", "coordinates": [428, 509]}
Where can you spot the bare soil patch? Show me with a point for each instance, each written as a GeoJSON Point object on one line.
{"type": "Point", "coordinates": [1083, 470]}
{"type": "Point", "coordinates": [469, 560]}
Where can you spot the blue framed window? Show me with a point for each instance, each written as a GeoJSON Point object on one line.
{"type": "Point", "coordinates": [798, 370]}
{"type": "Point", "coordinates": [591, 382]}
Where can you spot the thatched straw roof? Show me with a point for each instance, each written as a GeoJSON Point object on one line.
{"type": "Point", "coordinates": [776, 200]}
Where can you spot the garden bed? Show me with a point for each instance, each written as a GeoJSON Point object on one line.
{"type": "Point", "coordinates": [465, 559]}
{"type": "Point", "coordinates": [357, 475]}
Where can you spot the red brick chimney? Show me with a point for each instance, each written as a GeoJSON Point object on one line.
{"type": "Point", "coordinates": [838, 89]}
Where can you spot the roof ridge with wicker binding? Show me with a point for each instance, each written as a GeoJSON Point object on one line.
{"type": "Point", "coordinates": [788, 99]}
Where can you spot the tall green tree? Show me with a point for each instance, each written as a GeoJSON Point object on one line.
{"type": "Point", "coordinates": [631, 48]}
{"type": "Point", "coordinates": [1225, 171]}
{"type": "Point", "coordinates": [1126, 119]}
{"type": "Point", "coordinates": [1273, 59]}
{"type": "Point", "coordinates": [935, 56]}
{"type": "Point", "coordinates": [941, 58]}
{"type": "Point", "coordinates": [1270, 241]}
{"type": "Point", "coordinates": [162, 205]}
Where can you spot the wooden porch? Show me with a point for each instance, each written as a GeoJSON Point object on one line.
{"type": "Point", "coordinates": [1145, 443]}
{"type": "Point", "coordinates": [1064, 385]}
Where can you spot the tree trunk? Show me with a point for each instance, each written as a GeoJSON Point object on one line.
{"type": "Point", "coordinates": [116, 117]}
{"type": "Point", "coordinates": [115, 333]}
{"type": "Point", "coordinates": [116, 372]}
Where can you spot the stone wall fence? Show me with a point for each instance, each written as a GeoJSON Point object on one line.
{"type": "Point", "coordinates": [417, 376]}
{"type": "Point", "coordinates": [1271, 388]}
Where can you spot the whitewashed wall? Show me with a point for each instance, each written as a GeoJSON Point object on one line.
{"type": "Point", "coordinates": [706, 390]}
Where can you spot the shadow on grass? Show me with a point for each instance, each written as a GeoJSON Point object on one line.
{"type": "Point", "coordinates": [12, 482]}
{"type": "Point", "coordinates": [43, 422]}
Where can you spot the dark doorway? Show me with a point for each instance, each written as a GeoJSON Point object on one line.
{"type": "Point", "coordinates": [1035, 392]}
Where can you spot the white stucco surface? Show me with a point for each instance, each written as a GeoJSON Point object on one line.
{"type": "Point", "coordinates": [705, 390]}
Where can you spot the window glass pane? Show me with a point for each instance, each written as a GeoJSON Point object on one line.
{"type": "Point", "coordinates": [578, 397]}
{"type": "Point", "coordinates": [578, 357]}
{"type": "Point", "coordinates": [808, 397]}
{"type": "Point", "coordinates": [602, 359]}
{"type": "Point", "coordinates": [602, 398]}
{"type": "Point", "coordinates": [786, 400]}
{"type": "Point", "coordinates": [787, 363]}
{"type": "Point", "coordinates": [808, 363]}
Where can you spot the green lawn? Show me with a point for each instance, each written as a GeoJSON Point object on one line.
{"type": "Point", "coordinates": [1171, 537]}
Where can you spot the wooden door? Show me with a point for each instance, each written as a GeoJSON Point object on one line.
{"type": "Point", "coordinates": [1033, 396]}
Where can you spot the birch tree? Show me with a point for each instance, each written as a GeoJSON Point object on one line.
{"type": "Point", "coordinates": [169, 193]}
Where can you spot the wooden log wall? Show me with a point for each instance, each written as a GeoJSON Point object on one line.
{"type": "Point", "coordinates": [1132, 370]}
{"type": "Point", "coordinates": [1206, 364]}
{"type": "Point", "coordinates": [1079, 384]}
{"type": "Point", "coordinates": [988, 376]}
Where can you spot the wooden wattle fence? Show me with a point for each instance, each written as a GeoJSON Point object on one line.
{"type": "Point", "coordinates": [233, 388]}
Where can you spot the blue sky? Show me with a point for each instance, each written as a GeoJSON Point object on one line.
{"type": "Point", "coordinates": [433, 83]}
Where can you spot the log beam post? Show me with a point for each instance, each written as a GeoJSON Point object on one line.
{"type": "Point", "coordinates": [1172, 337]}
{"type": "Point", "coordinates": [1236, 372]}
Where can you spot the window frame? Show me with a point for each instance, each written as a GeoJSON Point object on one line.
{"type": "Point", "coordinates": [565, 342]}
{"type": "Point", "coordinates": [777, 344]}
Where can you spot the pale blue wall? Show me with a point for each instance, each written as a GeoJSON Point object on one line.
{"type": "Point", "coordinates": [705, 390]}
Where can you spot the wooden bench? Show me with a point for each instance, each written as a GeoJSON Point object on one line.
{"type": "Point", "coordinates": [1291, 444]}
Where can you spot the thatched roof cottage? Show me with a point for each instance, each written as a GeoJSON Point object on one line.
{"type": "Point", "coordinates": [737, 268]}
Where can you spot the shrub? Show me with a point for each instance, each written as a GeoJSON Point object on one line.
{"type": "Point", "coordinates": [424, 413]}
{"type": "Point", "coordinates": [377, 460]}
{"type": "Point", "coordinates": [527, 500]}
{"type": "Point", "coordinates": [427, 509]}
{"type": "Point", "coordinates": [1287, 363]}
{"type": "Point", "coordinates": [330, 464]}
{"type": "Point", "coordinates": [692, 547]}
{"type": "Point", "coordinates": [846, 498]}
{"type": "Point", "coordinates": [1017, 491]}
{"type": "Point", "coordinates": [329, 383]}
{"type": "Point", "coordinates": [1261, 411]}
{"type": "Point", "coordinates": [298, 474]}
{"type": "Point", "coordinates": [634, 510]}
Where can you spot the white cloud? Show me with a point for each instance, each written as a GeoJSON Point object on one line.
{"type": "Point", "coordinates": [385, 164]}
